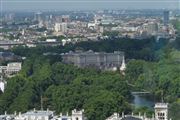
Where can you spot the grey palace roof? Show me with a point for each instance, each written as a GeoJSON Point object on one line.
{"type": "Point", "coordinates": [130, 118]}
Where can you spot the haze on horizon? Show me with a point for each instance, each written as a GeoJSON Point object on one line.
{"type": "Point", "coordinates": [34, 5]}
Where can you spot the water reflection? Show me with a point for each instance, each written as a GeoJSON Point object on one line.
{"type": "Point", "coordinates": [143, 100]}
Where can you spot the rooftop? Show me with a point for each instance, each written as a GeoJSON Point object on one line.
{"type": "Point", "coordinates": [130, 118]}
{"type": "Point", "coordinates": [39, 113]}
{"type": "Point", "coordinates": [90, 52]}
{"type": "Point", "coordinates": [161, 105]}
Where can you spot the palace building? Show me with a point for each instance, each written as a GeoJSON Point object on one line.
{"type": "Point", "coordinates": [100, 60]}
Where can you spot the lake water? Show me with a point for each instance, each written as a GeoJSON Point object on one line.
{"type": "Point", "coordinates": [143, 100]}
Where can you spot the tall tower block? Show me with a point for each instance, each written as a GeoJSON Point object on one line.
{"type": "Point", "coordinates": [166, 18]}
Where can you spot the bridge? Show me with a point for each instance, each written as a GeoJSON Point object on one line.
{"type": "Point", "coordinates": [24, 43]}
{"type": "Point", "coordinates": [10, 44]}
{"type": "Point", "coordinates": [140, 92]}
{"type": "Point", "coordinates": [143, 91]}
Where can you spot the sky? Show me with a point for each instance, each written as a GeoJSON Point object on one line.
{"type": "Point", "coordinates": [34, 5]}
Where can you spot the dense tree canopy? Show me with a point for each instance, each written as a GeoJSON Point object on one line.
{"type": "Point", "coordinates": [134, 49]}
{"type": "Point", "coordinates": [160, 78]}
{"type": "Point", "coordinates": [152, 66]}
{"type": "Point", "coordinates": [65, 87]}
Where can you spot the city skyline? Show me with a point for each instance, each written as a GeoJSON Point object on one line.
{"type": "Point", "coordinates": [89, 60]}
{"type": "Point", "coordinates": [47, 5]}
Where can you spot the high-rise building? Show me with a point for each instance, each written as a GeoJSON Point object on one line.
{"type": "Point", "coordinates": [64, 27]}
{"type": "Point", "coordinates": [151, 28]}
{"type": "Point", "coordinates": [57, 27]}
{"type": "Point", "coordinates": [65, 18]}
{"type": "Point", "coordinates": [38, 16]}
{"type": "Point", "coordinates": [40, 24]}
{"type": "Point", "coordinates": [61, 27]}
{"type": "Point", "coordinates": [9, 17]}
{"type": "Point", "coordinates": [166, 18]}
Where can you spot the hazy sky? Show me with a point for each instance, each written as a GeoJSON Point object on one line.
{"type": "Point", "coordinates": [87, 4]}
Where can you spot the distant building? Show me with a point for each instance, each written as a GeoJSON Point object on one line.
{"type": "Point", "coordinates": [64, 27]}
{"type": "Point", "coordinates": [51, 40]}
{"type": "Point", "coordinates": [6, 56]}
{"type": "Point", "coordinates": [57, 27]}
{"type": "Point", "coordinates": [101, 29]}
{"type": "Point", "coordinates": [9, 17]}
{"type": "Point", "coordinates": [10, 69]}
{"type": "Point", "coordinates": [166, 18]}
{"type": "Point", "coordinates": [38, 16]}
{"type": "Point", "coordinates": [100, 60]}
{"type": "Point", "coordinates": [91, 25]}
{"type": "Point", "coordinates": [65, 18]}
{"type": "Point", "coordinates": [161, 113]}
{"type": "Point", "coordinates": [65, 41]}
{"type": "Point", "coordinates": [60, 27]}
{"type": "Point", "coordinates": [8, 44]}
{"type": "Point", "coordinates": [151, 28]}
{"type": "Point", "coordinates": [41, 24]}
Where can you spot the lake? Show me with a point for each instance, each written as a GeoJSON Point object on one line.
{"type": "Point", "coordinates": [143, 100]}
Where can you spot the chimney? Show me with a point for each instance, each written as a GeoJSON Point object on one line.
{"type": "Point", "coordinates": [122, 114]}
{"type": "Point", "coordinates": [19, 113]}
{"type": "Point", "coordinates": [14, 112]}
{"type": "Point", "coordinates": [144, 115]}
{"type": "Point", "coordinates": [139, 114]}
{"type": "Point", "coordinates": [152, 116]}
{"type": "Point", "coordinates": [118, 115]}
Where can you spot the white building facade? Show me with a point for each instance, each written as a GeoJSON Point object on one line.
{"type": "Point", "coordinates": [11, 68]}
{"type": "Point", "coordinates": [161, 113]}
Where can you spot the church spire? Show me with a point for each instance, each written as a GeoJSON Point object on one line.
{"type": "Point", "coordinates": [123, 65]}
